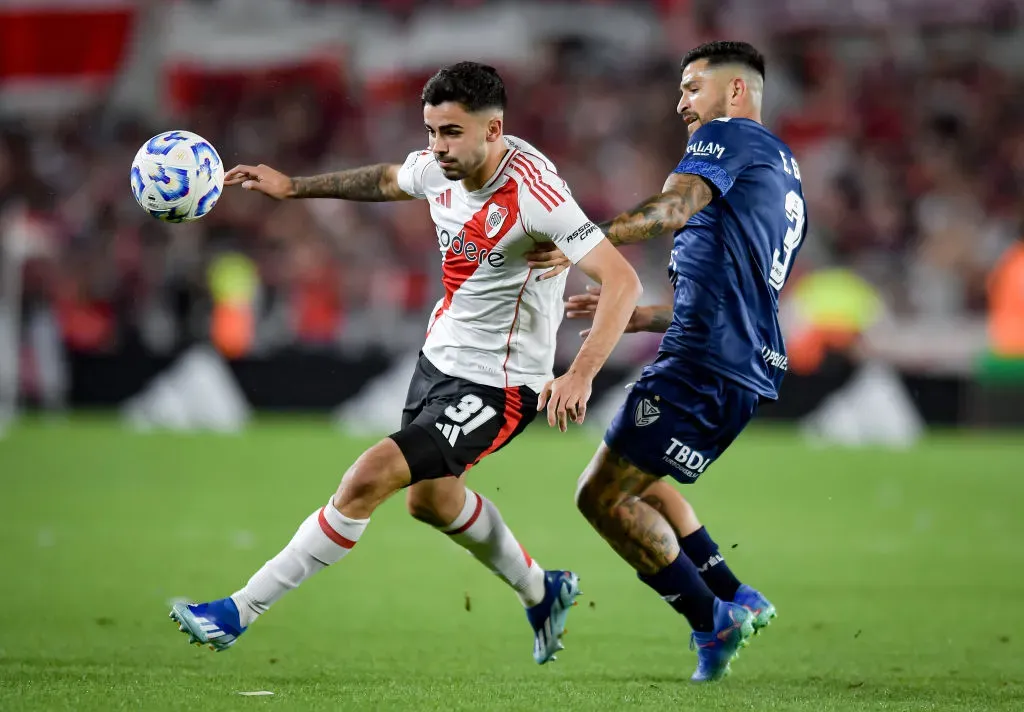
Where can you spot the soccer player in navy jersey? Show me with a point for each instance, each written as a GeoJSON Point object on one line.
{"type": "Point", "coordinates": [735, 207]}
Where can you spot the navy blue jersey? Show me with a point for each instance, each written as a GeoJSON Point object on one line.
{"type": "Point", "coordinates": [732, 258]}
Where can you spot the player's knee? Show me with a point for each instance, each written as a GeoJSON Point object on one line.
{"type": "Point", "coordinates": [377, 474]}
{"type": "Point", "coordinates": [608, 484]}
{"type": "Point", "coordinates": [436, 502]}
{"type": "Point", "coordinates": [667, 500]}
{"type": "Point", "coordinates": [424, 507]}
{"type": "Point", "coordinates": [590, 498]}
{"type": "Point", "coordinates": [603, 507]}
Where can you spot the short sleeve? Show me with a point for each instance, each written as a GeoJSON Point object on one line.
{"type": "Point", "coordinates": [410, 175]}
{"type": "Point", "coordinates": [717, 152]}
{"type": "Point", "coordinates": [549, 212]}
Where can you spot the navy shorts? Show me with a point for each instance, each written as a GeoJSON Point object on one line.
{"type": "Point", "coordinates": [679, 418]}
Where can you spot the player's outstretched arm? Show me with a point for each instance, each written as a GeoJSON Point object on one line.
{"type": "Point", "coordinates": [567, 396]}
{"type": "Point", "coordinates": [376, 183]}
{"type": "Point", "coordinates": [654, 318]}
{"type": "Point", "coordinates": [683, 196]}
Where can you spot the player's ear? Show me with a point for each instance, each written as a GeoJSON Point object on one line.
{"type": "Point", "coordinates": [494, 127]}
{"type": "Point", "coordinates": [737, 89]}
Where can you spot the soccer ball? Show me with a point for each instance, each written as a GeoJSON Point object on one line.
{"type": "Point", "coordinates": [177, 176]}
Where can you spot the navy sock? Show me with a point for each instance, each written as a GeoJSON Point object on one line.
{"type": "Point", "coordinates": [681, 586]}
{"type": "Point", "coordinates": [703, 552]}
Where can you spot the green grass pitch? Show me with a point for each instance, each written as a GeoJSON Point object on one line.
{"type": "Point", "coordinates": [899, 579]}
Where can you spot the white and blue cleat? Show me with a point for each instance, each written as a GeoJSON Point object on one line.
{"type": "Point", "coordinates": [548, 617]}
{"type": "Point", "coordinates": [214, 624]}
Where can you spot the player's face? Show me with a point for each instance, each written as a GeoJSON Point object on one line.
{"type": "Point", "coordinates": [704, 95]}
{"type": "Point", "coordinates": [457, 138]}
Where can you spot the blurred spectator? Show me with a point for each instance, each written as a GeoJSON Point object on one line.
{"type": "Point", "coordinates": [912, 164]}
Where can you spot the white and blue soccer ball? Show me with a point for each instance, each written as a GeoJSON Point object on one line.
{"type": "Point", "coordinates": [177, 176]}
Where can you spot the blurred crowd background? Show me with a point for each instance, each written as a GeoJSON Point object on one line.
{"type": "Point", "coordinates": [907, 118]}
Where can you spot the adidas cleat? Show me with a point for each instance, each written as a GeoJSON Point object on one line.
{"type": "Point", "coordinates": [734, 625]}
{"type": "Point", "coordinates": [213, 624]}
{"type": "Point", "coordinates": [761, 608]}
{"type": "Point", "coordinates": [548, 617]}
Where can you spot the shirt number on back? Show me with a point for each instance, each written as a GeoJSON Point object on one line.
{"type": "Point", "coordinates": [794, 233]}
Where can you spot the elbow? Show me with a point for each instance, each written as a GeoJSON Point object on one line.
{"type": "Point", "coordinates": [632, 288]}
{"type": "Point", "coordinates": [624, 284]}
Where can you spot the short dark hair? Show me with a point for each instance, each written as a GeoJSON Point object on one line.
{"type": "Point", "coordinates": [721, 52]}
{"type": "Point", "coordinates": [476, 86]}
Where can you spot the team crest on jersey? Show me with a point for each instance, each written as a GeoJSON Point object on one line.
{"type": "Point", "coordinates": [496, 215]}
{"type": "Point", "coordinates": [646, 413]}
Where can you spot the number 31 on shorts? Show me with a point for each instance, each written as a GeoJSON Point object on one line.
{"type": "Point", "coordinates": [468, 407]}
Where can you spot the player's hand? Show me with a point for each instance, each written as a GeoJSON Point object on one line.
{"type": "Point", "coordinates": [566, 399]}
{"type": "Point", "coordinates": [261, 178]}
{"type": "Point", "coordinates": [584, 306]}
{"type": "Point", "coordinates": [546, 255]}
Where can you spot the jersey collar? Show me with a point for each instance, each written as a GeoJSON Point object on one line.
{"type": "Point", "coordinates": [498, 172]}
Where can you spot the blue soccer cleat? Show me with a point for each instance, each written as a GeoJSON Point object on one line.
{"type": "Point", "coordinates": [757, 604]}
{"type": "Point", "coordinates": [214, 624]}
{"type": "Point", "coordinates": [548, 617]}
{"type": "Point", "coordinates": [734, 625]}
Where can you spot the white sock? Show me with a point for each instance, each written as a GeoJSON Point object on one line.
{"type": "Point", "coordinates": [480, 529]}
{"type": "Point", "coordinates": [323, 539]}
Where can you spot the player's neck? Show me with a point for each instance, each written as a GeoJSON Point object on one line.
{"type": "Point", "coordinates": [746, 113]}
{"type": "Point", "coordinates": [479, 179]}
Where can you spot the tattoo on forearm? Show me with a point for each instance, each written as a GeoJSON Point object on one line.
{"type": "Point", "coordinates": [366, 183]}
{"type": "Point", "coordinates": [661, 319]}
{"type": "Point", "coordinates": [634, 529]}
{"type": "Point", "coordinates": [659, 214]}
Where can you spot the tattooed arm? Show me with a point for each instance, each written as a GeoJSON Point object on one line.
{"type": "Point", "coordinates": [650, 318]}
{"type": "Point", "coordinates": [683, 196]}
{"type": "Point", "coordinates": [375, 183]}
{"type": "Point", "coordinates": [654, 318]}
{"type": "Point", "coordinates": [370, 183]}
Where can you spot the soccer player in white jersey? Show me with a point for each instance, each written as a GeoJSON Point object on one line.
{"type": "Point", "coordinates": [486, 367]}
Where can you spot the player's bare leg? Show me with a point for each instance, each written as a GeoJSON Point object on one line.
{"type": "Point", "coordinates": [701, 549]}
{"type": "Point", "coordinates": [667, 500]}
{"type": "Point", "coordinates": [609, 496]}
{"type": "Point", "coordinates": [473, 522]}
{"type": "Point", "coordinates": [324, 538]}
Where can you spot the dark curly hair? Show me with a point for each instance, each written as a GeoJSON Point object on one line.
{"type": "Point", "coordinates": [476, 86]}
{"type": "Point", "coordinates": [721, 52]}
